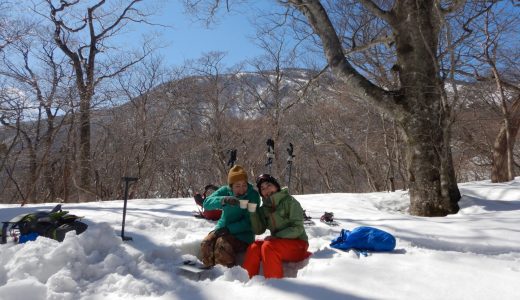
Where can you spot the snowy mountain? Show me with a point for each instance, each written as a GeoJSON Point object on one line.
{"type": "Point", "coordinates": [471, 255]}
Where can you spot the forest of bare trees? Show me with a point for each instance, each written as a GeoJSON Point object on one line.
{"type": "Point", "coordinates": [415, 95]}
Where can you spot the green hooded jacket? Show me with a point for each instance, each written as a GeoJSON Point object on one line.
{"type": "Point", "coordinates": [282, 215]}
{"type": "Point", "coordinates": [235, 219]}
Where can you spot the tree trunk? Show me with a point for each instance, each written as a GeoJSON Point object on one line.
{"type": "Point", "coordinates": [84, 149]}
{"type": "Point", "coordinates": [390, 171]}
{"type": "Point", "coordinates": [423, 117]}
{"type": "Point", "coordinates": [417, 106]}
{"type": "Point", "coordinates": [433, 188]}
{"type": "Point", "coordinates": [500, 170]}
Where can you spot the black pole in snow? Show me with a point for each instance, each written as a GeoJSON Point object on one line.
{"type": "Point", "coordinates": [289, 164]}
{"type": "Point", "coordinates": [232, 158]}
{"type": "Point", "coordinates": [127, 180]}
{"type": "Point", "coordinates": [270, 155]}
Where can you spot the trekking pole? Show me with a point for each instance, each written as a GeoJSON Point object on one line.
{"type": "Point", "coordinates": [232, 157]}
{"type": "Point", "coordinates": [270, 154]}
{"type": "Point", "coordinates": [289, 164]}
{"type": "Point", "coordinates": [127, 180]}
{"type": "Point", "coordinates": [4, 232]}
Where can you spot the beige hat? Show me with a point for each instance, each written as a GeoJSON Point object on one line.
{"type": "Point", "coordinates": [236, 173]}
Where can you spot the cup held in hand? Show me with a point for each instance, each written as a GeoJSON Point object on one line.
{"type": "Point", "coordinates": [243, 203]}
{"type": "Point", "coordinates": [251, 207]}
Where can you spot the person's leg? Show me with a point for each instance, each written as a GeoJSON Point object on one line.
{"type": "Point", "coordinates": [207, 247]}
{"type": "Point", "coordinates": [226, 248]}
{"type": "Point", "coordinates": [253, 258]}
{"type": "Point", "coordinates": [275, 251]}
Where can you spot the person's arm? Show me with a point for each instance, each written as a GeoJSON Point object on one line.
{"type": "Point", "coordinates": [214, 201]}
{"type": "Point", "coordinates": [244, 224]}
{"type": "Point", "coordinates": [257, 221]}
{"type": "Point", "coordinates": [295, 228]}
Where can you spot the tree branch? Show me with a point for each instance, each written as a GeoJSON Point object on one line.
{"type": "Point", "coordinates": [376, 10]}
{"type": "Point", "coordinates": [455, 6]}
{"type": "Point", "coordinates": [119, 19]}
{"type": "Point", "coordinates": [380, 40]}
{"type": "Point", "coordinates": [358, 86]}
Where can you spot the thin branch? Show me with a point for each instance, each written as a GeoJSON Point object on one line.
{"type": "Point", "coordinates": [380, 40]}
{"type": "Point", "coordinates": [121, 17]}
{"type": "Point", "coordinates": [358, 85]}
{"type": "Point", "coordinates": [455, 6]}
{"type": "Point", "coordinates": [379, 12]}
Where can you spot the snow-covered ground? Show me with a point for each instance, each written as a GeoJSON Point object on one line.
{"type": "Point", "coordinates": [474, 254]}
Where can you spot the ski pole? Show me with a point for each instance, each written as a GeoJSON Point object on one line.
{"type": "Point", "coordinates": [289, 164]}
{"type": "Point", "coordinates": [127, 180]}
{"type": "Point", "coordinates": [232, 157]}
{"type": "Point", "coordinates": [270, 154]}
{"type": "Point", "coordinates": [4, 232]}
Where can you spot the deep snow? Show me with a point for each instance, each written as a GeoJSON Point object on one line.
{"type": "Point", "coordinates": [474, 254]}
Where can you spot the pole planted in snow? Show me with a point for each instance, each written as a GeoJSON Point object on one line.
{"type": "Point", "coordinates": [290, 158]}
{"type": "Point", "coordinates": [127, 181]}
{"type": "Point", "coordinates": [270, 155]}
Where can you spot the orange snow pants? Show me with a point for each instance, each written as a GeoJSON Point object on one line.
{"type": "Point", "coordinates": [272, 253]}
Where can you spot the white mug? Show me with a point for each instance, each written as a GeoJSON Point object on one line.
{"type": "Point", "coordinates": [251, 207]}
{"type": "Point", "coordinates": [243, 203]}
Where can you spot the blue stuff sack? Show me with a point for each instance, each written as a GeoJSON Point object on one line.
{"type": "Point", "coordinates": [28, 237]}
{"type": "Point", "coordinates": [364, 238]}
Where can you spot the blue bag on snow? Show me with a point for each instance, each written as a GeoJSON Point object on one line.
{"type": "Point", "coordinates": [364, 238]}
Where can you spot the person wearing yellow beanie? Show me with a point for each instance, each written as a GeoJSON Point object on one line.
{"type": "Point", "coordinates": [233, 232]}
{"type": "Point", "coordinates": [236, 173]}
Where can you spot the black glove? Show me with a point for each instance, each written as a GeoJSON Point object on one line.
{"type": "Point", "coordinates": [221, 232]}
{"type": "Point", "coordinates": [230, 201]}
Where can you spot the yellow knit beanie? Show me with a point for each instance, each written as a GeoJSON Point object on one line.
{"type": "Point", "coordinates": [236, 173]}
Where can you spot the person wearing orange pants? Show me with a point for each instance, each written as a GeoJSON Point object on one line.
{"type": "Point", "coordinates": [272, 252]}
{"type": "Point", "coordinates": [283, 216]}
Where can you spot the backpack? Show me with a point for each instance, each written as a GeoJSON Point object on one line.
{"type": "Point", "coordinates": [54, 224]}
{"type": "Point", "coordinates": [364, 238]}
{"type": "Point", "coordinates": [212, 215]}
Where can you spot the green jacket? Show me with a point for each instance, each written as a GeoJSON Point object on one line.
{"type": "Point", "coordinates": [233, 217]}
{"type": "Point", "coordinates": [282, 215]}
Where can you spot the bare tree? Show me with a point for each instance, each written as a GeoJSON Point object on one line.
{"type": "Point", "coordinates": [418, 105]}
{"type": "Point", "coordinates": [12, 29]}
{"type": "Point", "coordinates": [276, 73]}
{"type": "Point", "coordinates": [83, 31]}
{"type": "Point", "coordinates": [36, 73]}
{"type": "Point", "coordinates": [503, 161]}
{"type": "Point", "coordinates": [132, 141]}
{"type": "Point", "coordinates": [215, 106]}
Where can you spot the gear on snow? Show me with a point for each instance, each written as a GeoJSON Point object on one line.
{"type": "Point", "coordinates": [53, 224]}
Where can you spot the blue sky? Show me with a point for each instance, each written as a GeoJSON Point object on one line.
{"type": "Point", "coordinates": [187, 38]}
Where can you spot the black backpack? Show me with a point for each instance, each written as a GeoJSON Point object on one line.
{"type": "Point", "coordinates": [54, 224]}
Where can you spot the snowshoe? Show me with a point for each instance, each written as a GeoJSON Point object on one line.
{"type": "Point", "coordinates": [328, 218]}
{"type": "Point", "coordinates": [194, 269]}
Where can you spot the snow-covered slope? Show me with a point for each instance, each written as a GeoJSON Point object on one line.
{"type": "Point", "coordinates": [474, 254]}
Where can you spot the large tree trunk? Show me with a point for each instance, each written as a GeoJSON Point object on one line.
{"type": "Point", "coordinates": [418, 106]}
{"type": "Point", "coordinates": [502, 162]}
{"type": "Point", "coordinates": [84, 145]}
{"type": "Point", "coordinates": [424, 117]}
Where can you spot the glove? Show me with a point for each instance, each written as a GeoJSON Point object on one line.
{"type": "Point", "coordinates": [221, 232]}
{"type": "Point", "coordinates": [230, 201]}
